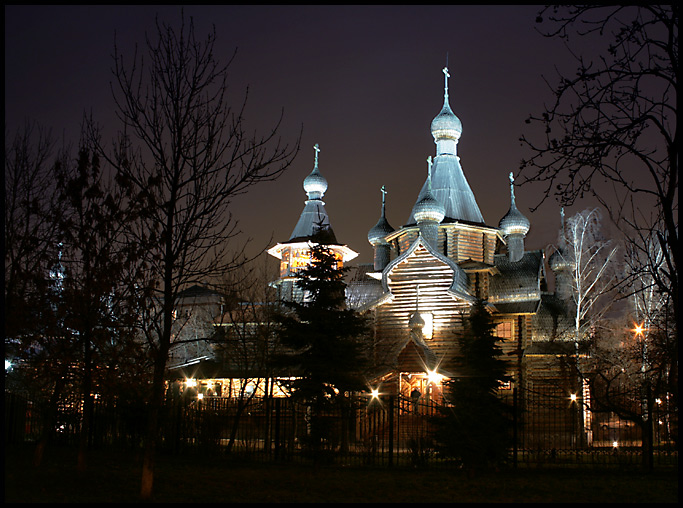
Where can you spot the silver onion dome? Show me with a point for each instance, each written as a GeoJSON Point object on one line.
{"type": "Point", "coordinates": [315, 184]}
{"type": "Point", "coordinates": [558, 261]}
{"type": "Point", "coordinates": [514, 222]}
{"type": "Point", "coordinates": [429, 209]}
{"type": "Point", "coordinates": [446, 125]}
{"type": "Point", "coordinates": [382, 228]}
{"type": "Point", "coordinates": [379, 231]}
{"type": "Point", "coordinates": [416, 321]}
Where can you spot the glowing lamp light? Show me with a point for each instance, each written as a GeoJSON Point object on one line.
{"type": "Point", "coordinates": [434, 377]}
{"type": "Point", "coordinates": [428, 330]}
{"type": "Point", "coordinates": [615, 444]}
{"type": "Point", "coordinates": [8, 365]}
{"type": "Point", "coordinates": [374, 393]}
{"type": "Point", "coordinates": [573, 397]}
{"type": "Point", "coordinates": [191, 382]}
{"type": "Point", "coordinates": [638, 330]}
{"type": "Point", "coordinates": [200, 396]}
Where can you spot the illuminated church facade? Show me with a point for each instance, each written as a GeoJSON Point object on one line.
{"type": "Point", "coordinates": [427, 274]}
{"type": "Point", "coordinates": [419, 290]}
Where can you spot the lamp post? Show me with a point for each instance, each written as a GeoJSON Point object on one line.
{"type": "Point", "coordinates": [646, 396]}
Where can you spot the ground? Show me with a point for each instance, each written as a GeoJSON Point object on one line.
{"type": "Point", "coordinates": [114, 477]}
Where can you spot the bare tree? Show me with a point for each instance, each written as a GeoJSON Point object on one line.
{"type": "Point", "coordinates": [246, 340]}
{"type": "Point", "coordinates": [96, 259]}
{"type": "Point", "coordinates": [31, 325]}
{"type": "Point", "coordinates": [628, 376]}
{"type": "Point", "coordinates": [31, 233]}
{"type": "Point", "coordinates": [650, 304]}
{"type": "Point", "coordinates": [590, 255]}
{"type": "Point", "coordinates": [611, 130]}
{"type": "Point", "coordinates": [186, 155]}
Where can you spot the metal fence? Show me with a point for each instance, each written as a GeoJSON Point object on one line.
{"type": "Point", "coordinates": [383, 432]}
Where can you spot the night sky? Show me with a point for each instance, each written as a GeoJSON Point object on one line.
{"type": "Point", "coordinates": [365, 83]}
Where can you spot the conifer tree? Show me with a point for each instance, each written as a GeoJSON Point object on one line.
{"type": "Point", "coordinates": [322, 339]}
{"type": "Point", "coordinates": [474, 424]}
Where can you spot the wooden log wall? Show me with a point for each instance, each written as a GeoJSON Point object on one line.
{"type": "Point", "coordinates": [434, 278]}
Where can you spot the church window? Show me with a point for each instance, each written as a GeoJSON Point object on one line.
{"type": "Point", "coordinates": [504, 331]}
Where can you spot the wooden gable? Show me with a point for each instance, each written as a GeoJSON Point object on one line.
{"type": "Point", "coordinates": [443, 298]}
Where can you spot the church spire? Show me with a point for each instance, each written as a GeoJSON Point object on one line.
{"type": "Point", "coordinates": [314, 218]}
{"type": "Point", "coordinates": [429, 212]}
{"type": "Point", "coordinates": [514, 226]}
{"type": "Point", "coordinates": [448, 183]}
{"type": "Point", "coordinates": [377, 234]}
{"type": "Point", "coordinates": [446, 127]}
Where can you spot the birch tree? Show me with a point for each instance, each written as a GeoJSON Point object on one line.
{"type": "Point", "coordinates": [590, 256]}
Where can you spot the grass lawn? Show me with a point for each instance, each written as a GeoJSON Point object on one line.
{"type": "Point", "coordinates": [115, 477]}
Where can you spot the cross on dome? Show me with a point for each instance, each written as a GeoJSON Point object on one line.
{"type": "Point", "coordinates": [316, 147]}
{"type": "Point", "coordinates": [512, 187]}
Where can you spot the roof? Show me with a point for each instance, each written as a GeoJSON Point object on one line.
{"type": "Point", "coordinates": [553, 321]}
{"type": "Point", "coordinates": [451, 189]}
{"type": "Point", "coordinates": [362, 288]}
{"type": "Point", "coordinates": [517, 288]}
{"type": "Point", "coordinates": [312, 221]}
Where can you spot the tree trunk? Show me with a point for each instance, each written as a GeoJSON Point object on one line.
{"type": "Point", "coordinates": [148, 461]}
{"type": "Point", "coordinates": [87, 406]}
{"type": "Point", "coordinates": [49, 421]}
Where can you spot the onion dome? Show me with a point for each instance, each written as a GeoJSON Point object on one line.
{"type": "Point", "coordinates": [315, 184]}
{"type": "Point", "coordinates": [429, 209]}
{"type": "Point", "coordinates": [379, 231]}
{"type": "Point", "coordinates": [382, 228]}
{"type": "Point", "coordinates": [446, 124]}
{"type": "Point", "coordinates": [416, 321]}
{"type": "Point", "coordinates": [514, 222]}
{"type": "Point", "coordinates": [558, 261]}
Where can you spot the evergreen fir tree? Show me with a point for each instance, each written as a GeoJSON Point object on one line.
{"type": "Point", "coordinates": [474, 425]}
{"type": "Point", "coordinates": [322, 340]}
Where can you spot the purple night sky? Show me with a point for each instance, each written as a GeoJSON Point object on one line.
{"type": "Point", "coordinates": [364, 81]}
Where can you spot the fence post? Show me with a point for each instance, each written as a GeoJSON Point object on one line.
{"type": "Point", "coordinates": [514, 426]}
{"type": "Point", "coordinates": [391, 430]}
{"type": "Point", "coordinates": [277, 428]}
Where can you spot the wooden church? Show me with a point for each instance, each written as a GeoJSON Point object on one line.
{"type": "Point", "coordinates": [427, 274]}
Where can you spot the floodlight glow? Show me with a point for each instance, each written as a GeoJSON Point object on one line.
{"type": "Point", "coordinates": [374, 393]}
{"type": "Point", "coordinates": [434, 377]}
{"type": "Point", "coordinates": [8, 365]}
{"type": "Point", "coordinates": [200, 396]}
{"type": "Point", "coordinates": [615, 444]}
{"type": "Point", "coordinates": [428, 330]}
{"type": "Point", "coordinates": [191, 382]}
